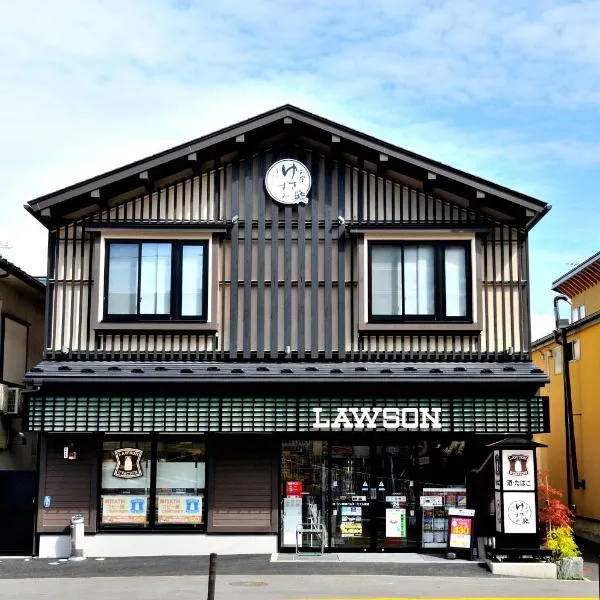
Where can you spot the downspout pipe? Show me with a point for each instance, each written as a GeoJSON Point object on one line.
{"type": "Point", "coordinates": [560, 336]}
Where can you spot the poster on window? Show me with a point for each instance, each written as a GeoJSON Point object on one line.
{"type": "Point", "coordinates": [395, 522]}
{"type": "Point", "coordinates": [130, 510]}
{"type": "Point", "coordinates": [518, 471]}
{"type": "Point", "coordinates": [293, 489]}
{"type": "Point", "coordinates": [182, 510]}
{"type": "Point", "coordinates": [519, 512]}
{"type": "Point", "coordinates": [351, 524]}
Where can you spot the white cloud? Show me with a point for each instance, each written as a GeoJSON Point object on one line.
{"type": "Point", "coordinates": [92, 85]}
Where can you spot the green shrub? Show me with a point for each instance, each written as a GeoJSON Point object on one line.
{"type": "Point", "coordinates": [560, 541]}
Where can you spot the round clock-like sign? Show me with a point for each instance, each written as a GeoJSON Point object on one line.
{"type": "Point", "coordinates": [288, 181]}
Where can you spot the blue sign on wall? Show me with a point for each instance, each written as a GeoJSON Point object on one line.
{"type": "Point", "coordinates": [47, 501]}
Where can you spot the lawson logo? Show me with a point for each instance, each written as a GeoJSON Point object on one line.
{"type": "Point", "coordinates": [391, 418]}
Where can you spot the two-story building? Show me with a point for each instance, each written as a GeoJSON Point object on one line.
{"type": "Point", "coordinates": [283, 322]}
{"type": "Point", "coordinates": [572, 456]}
{"type": "Point", "coordinates": [21, 347]}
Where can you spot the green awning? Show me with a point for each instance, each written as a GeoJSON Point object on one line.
{"type": "Point", "coordinates": [261, 415]}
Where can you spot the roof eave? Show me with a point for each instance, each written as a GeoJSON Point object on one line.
{"type": "Point", "coordinates": [36, 205]}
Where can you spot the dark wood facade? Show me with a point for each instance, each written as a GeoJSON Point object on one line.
{"type": "Point", "coordinates": [285, 283]}
{"type": "Point", "coordinates": [288, 279]}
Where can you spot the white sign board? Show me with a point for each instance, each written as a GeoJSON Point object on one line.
{"type": "Point", "coordinates": [518, 471]}
{"type": "Point", "coordinates": [288, 181]}
{"type": "Point", "coordinates": [395, 522]}
{"type": "Point", "coordinates": [292, 519]}
{"type": "Point", "coordinates": [519, 512]}
{"type": "Point", "coordinates": [427, 501]}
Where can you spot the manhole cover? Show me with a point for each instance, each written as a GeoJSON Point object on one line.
{"type": "Point", "coordinates": [249, 583]}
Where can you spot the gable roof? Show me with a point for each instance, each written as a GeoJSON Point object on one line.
{"type": "Point", "coordinates": [583, 276]}
{"type": "Point", "coordinates": [52, 208]}
{"type": "Point", "coordinates": [8, 269]}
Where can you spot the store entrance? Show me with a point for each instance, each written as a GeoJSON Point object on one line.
{"type": "Point", "coordinates": [373, 499]}
{"type": "Point", "coordinates": [370, 497]}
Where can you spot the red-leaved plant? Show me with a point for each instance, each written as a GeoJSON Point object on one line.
{"type": "Point", "coordinates": [552, 512]}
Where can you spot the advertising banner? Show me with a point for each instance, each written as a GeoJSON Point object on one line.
{"type": "Point", "coordinates": [460, 532]}
{"type": "Point", "coordinates": [176, 509]}
{"type": "Point", "coordinates": [518, 470]}
{"type": "Point", "coordinates": [124, 509]}
{"type": "Point", "coordinates": [351, 524]}
{"type": "Point", "coordinates": [293, 489]}
{"type": "Point", "coordinates": [395, 522]}
{"type": "Point", "coordinates": [519, 512]}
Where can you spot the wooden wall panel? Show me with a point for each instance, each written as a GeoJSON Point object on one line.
{"type": "Point", "coordinates": [288, 276]}
{"type": "Point", "coordinates": [243, 489]}
{"type": "Point", "coordinates": [70, 485]}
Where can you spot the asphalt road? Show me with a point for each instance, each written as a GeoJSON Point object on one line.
{"type": "Point", "coordinates": [291, 587]}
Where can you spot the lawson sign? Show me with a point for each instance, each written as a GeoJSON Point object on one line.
{"type": "Point", "coordinates": [369, 418]}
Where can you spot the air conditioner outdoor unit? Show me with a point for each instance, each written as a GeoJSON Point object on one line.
{"type": "Point", "coordinates": [10, 400]}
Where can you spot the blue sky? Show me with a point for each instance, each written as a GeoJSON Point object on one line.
{"type": "Point", "coordinates": [508, 90]}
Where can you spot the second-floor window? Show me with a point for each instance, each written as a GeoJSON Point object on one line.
{"type": "Point", "coordinates": [156, 280]}
{"type": "Point", "coordinates": [420, 281]}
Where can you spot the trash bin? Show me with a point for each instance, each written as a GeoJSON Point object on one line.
{"type": "Point", "coordinates": [77, 537]}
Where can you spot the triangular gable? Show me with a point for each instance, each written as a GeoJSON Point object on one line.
{"type": "Point", "coordinates": [452, 185]}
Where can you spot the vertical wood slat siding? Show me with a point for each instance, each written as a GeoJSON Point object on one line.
{"type": "Point", "coordinates": [241, 494]}
{"type": "Point", "coordinates": [69, 483]}
{"type": "Point", "coordinates": [286, 273]}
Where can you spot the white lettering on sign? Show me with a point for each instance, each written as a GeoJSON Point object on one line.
{"type": "Point", "coordinates": [392, 418]}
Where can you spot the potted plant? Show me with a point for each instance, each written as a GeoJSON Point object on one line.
{"type": "Point", "coordinates": [557, 518]}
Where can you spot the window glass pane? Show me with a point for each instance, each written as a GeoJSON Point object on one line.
{"type": "Point", "coordinates": [180, 481]}
{"type": "Point", "coordinates": [386, 280]}
{"type": "Point", "coordinates": [419, 280]}
{"type": "Point", "coordinates": [122, 279]}
{"type": "Point", "coordinates": [126, 472]}
{"type": "Point", "coordinates": [155, 289]}
{"type": "Point", "coordinates": [192, 281]}
{"type": "Point", "coordinates": [456, 281]}
{"type": "Point", "coordinates": [304, 492]}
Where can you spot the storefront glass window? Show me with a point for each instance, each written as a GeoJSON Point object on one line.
{"type": "Point", "coordinates": [304, 488]}
{"type": "Point", "coordinates": [180, 483]}
{"type": "Point", "coordinates": [125, 487]}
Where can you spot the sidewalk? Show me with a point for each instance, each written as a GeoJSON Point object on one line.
{"type": "Point", "coordinates": [329, 564]}
{"type": "Point", "coordinates": [421, 565]}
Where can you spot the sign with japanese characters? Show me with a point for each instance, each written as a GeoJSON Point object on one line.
{"type": "Point", "coordinates": [519, 512]}
{"type": "Point", "coordinates": [351, 521]}
{"type": "Point", "coordinates": [179, 509]}
{"type": "Point", "coordinates": [124, 509]}
{"type": "Point", "coordinates": [518, 472]}
{"type": "Point", "coordinates": [460, 525]}
{"type": "Point", "coordinates": [293, 489]}
{"type": "Point", "coordinates": [395, 522]}
{"type": "Point", "coordinates": [288, 181]}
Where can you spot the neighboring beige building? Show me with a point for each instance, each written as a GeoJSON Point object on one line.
{"type": "Point", "coordinates": [21, 346]}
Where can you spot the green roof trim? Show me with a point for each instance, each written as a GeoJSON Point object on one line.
{"type": "Point", "coordinates": [263, 415]}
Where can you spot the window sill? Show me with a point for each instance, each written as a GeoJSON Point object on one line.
{"type": "Point", "coordinates": [420, 328]}
{"type": "Point", "coordinates": [158, 326]}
